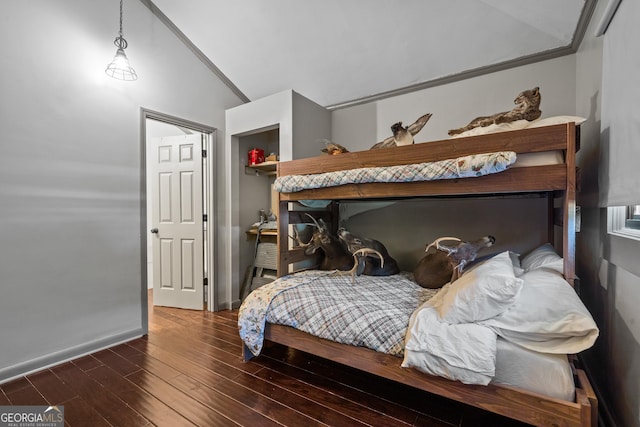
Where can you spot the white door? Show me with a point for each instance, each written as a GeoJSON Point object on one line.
{"type": "Point", "coordinates": [174, 166]}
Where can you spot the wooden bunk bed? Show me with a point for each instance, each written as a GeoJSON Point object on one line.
{"type": "Point", "coordinates": [557, 181]}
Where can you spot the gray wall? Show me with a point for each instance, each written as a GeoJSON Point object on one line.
{"type": "Point", "coordinates": [71, 267]}
{"type": "Point", "coordinates": [407, 226]}
{"type": "Point", "coordinates": [607, 265]}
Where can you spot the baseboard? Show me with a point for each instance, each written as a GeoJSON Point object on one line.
{"type": "Point", "coordinates": [226, 306]}
{"type": "Point", "coordinates": [56, 358]}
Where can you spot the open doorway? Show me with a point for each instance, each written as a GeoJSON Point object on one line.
{"type": "Point", "coordinates": [178, 233]}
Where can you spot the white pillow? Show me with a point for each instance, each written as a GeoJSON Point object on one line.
{"type": "Point", "coordinates": [543, 256]}
{"type": "Point", "coordinates": [484, 291]}
{"type": "Point", "coordinates": [556, 120]}
{"type": "Point", "coordinates": [521, 124]}
{"type": "Point", "coordinates": [494, 128]}
{"type": "Point", "coordinates": [548, 316]}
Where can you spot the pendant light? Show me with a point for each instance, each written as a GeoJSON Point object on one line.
{"type": "Point", "coordinates": [119, 68]}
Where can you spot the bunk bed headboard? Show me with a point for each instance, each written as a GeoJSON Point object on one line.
{"type": "Point", "coordinates": [556, 180]}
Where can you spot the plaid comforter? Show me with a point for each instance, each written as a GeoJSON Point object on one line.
{"type": "Point", "coordinates": [374, 312]}
{"type": "Point", "coordinates": [461, 167]}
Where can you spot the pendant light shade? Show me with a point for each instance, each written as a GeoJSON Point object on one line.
{"type": "Point", "coordinates": [119, 68]}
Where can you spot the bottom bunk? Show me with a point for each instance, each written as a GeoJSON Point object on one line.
{"type": "Point", "coordinates": [512, 402]}
{"type": "Point", "coordinates": [514, 353]}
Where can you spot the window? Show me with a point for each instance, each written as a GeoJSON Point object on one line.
{"type": "Point", "coordinates": [624, 221]}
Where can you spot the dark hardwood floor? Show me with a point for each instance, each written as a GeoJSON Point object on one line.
{"type": "Point", "coordinates": [189, 371]}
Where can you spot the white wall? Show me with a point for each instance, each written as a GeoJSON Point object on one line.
{"type": "Point", "coordinates": [71, 263]}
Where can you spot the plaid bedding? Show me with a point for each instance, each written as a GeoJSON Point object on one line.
{"type": "Point", "coordinates": [461, 167]}
{"type": "Point", "coordinates": [374, 312]}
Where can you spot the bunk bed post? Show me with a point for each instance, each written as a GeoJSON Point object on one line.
{"type": "Point", "coordinates": [569, 206]}
{"type": "Point", "coordinates": [551, 218]}
{"type": "Point", "coordinates": [334, 212]}
{"type": "Point", "coordinates": [283, 236]}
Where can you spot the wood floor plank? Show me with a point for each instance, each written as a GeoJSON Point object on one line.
{"type": "Point", "coordinates": [246, 396]}
{"type": "Point", "coordinates": [398, 395]}
{"type": "Point", "coordinates": [195, 357]}
{"type": "Point", "coordinates": [168, 314]}
{"type": "Point", "coordinates": [339, 388]}
{"type": "Point", "coordinates": [304, 405]}
{"type": "Point", "coordinates": [184, 365]}
{"type": "Point", "coordinates": [185, 405]}
{"type": "Point", "coordinates": [77, 412]}
{"type": "Point", "coordinates": [221, 402]}
{"type": "Point", "coordinates": [51, 387]}
{"type": "Point", "coordinates": [231, 315]}
{"type": "Point", "coordinates": [87, 362]}
{"type": "Point", "coordinates": [273, 409]}
{"type": "Point", "coordinates": [26, 396]}
{"type": "Point", "coordinates": [15, 385]}
{"type": "Point", "coordinates": [208, 350]}
{"type": "Point", "coordinates": [147, 362]}
{"type": "Point", "coordinates": [139, 344]}
{"type": "Point", "coordinates": [336, 402]}
{"type": "Point", "coordinates": [116, 362]}
{"type": "Point", "coordinates": [200, 339]}
{"type": "Point", "coordinates": [158, 367]}
{"type": "Point", "coordinates": [114, 410]}
{"type": "Point", "coordinates": [142, 402]}
{"type": "Point", "coordinates": [210, 331]}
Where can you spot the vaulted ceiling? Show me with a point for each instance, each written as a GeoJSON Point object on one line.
{"type": "Point", "coordinates": [342, 52]}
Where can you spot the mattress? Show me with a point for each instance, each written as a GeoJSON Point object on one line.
{"type": "Point", "coordinates": [555, 157]}
{"type": "Point", "coordinates": [543, 373]}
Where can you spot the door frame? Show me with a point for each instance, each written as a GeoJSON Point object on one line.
{"type": "Point", "coordinates": [209, 185]}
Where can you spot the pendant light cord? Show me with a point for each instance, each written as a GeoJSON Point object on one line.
{"type": "Point", "coordinates": [120, 42]}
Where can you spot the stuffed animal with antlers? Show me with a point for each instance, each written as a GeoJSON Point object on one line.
{"type": "Point", "coordinates": [445, 263]}
{"type": "Point", "coordinates": [378, 263]}
{"type": "Point", "coordinates": [336, 256]}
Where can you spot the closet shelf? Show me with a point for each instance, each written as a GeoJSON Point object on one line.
{"type": "Point", "coordinates": [264, 168]}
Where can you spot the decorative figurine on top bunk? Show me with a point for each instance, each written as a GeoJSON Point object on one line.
{"type": "Point", "coordinates": [336, 256]}
{"type": "Point", "coordinates": [332, 148]}
{"type": "Point", "coordinates": [403, 135]}
{"type": "Point", "coordinates": [445, 265]}
{"type": "Point", "coordinates": [527, 108]}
